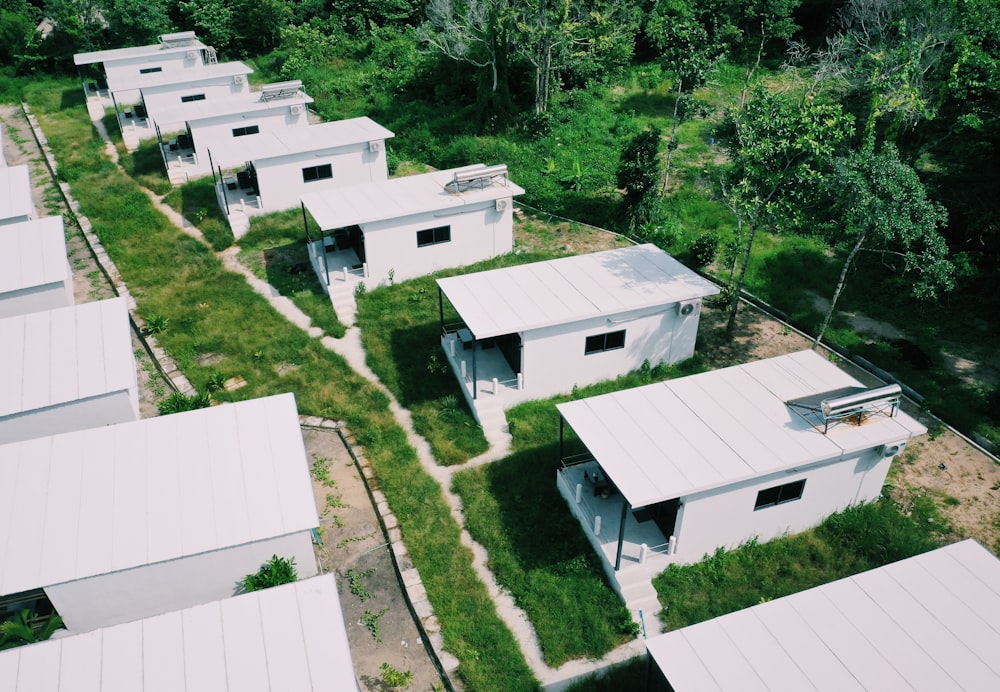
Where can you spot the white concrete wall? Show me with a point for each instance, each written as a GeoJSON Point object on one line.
{"type": "Point", "coordinates": [168, 98]}
{"type": "Point", "coordinates": [107, 409]}
{"type": "Point", "coordinates": [726, 517]}
{"type": "Point", "coordinates": [476, 235]}
{"type": "Point", "coordinates": [280, 178]}
{"type": "Point", "coordinates": [58, 294]}
{"type": "Point", "coordinates": [554, 359]}
{"type": "Point", "coordinates": [209, 133]}
{"type": "Point", "coordinates": [110, 599]}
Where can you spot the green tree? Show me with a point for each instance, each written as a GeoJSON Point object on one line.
{"type": "Point", "coordinates": [881, 206]}
{"type": "Point", "coordinates": [135, 22]}
{"type": "Point", "coordinates": [685, 51]}
{"type": "Point", "coordinates": [780, 152]}
{"type": "Point", "coordinates": [638, 174]}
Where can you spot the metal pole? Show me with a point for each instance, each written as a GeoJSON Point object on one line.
{"type": "Point", "coordinates": [441, 309]}
{"type": "Point", "coordinates": [562, 456]}
{"type": "Point", "coordinates": [621, 534]}
{"type": "Point", "coordinates": [474, 390]}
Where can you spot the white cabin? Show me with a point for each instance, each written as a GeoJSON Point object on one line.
{"type": "Point", "coordinates": [34, 270]}
{"type": "Point", "coordinates": [289, 637]}
{"type": "Point", "coordinates": [186, 133]}
{"type": "Point", "coordinates": [712, 460]}
{"type": "Point", "coordinates": [134, 520]}
{"type": "Point", "coordinates": [539, 329]}
{"type": "Point", "coordinates": [281, 166]}
{"type": "Point", "coordinates": [66, 369]}
{"type": "Point", "coordinates": [16, 204]}
{"type": "Point", "coordinates": [411, 226]}
{"type": "Point", "coordinates": [925, 623]}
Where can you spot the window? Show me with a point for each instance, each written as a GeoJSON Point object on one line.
{"type": "Point", "coordinates": [600, 343]}
{"type": "Point", "coordinates": [150, 70]}
{"type": "Point", "coordinates": [248, 130]}
{"type": "Point", "coordinates": [192, 97]}
{"type": "Point", "coordinates": [779, 494]}
{"type": "Point", "coordinates": [324, 172]}
{"type": "Point", "coordinates": [433, 236]}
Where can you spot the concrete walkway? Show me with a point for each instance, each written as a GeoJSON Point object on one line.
{"type": "Point", "coordinates": [350, 348]}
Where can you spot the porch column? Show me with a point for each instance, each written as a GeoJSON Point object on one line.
{"type": "Point", "coordinates": [562, 456]}
{"type": "Point", "coordinates": [621, 534]}
{"type": "Point", "coordinates": [441, 310]}
{"type": "Point", "coordinates": [475, 342]}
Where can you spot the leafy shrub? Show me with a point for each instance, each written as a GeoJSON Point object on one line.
{"type": "Point", "coordinates": [702, 251]}
{"type": "Point", "coordinates": [274, 572]}
{"type": "Point", "coordinates": [23, 628]}
{"type": "Point", "coordinates": [156, 323]}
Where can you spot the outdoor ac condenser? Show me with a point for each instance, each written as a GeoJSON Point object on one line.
{"type": "Point", "coordinates": [239, 79]}
{"type": "Point", "coordinates": [891, 450]}
{"type": "Point", "coordinates": [297, 109]}
{"type": "Point", "coordinates": [687, 308]}
{"type": "Point", "coordinates": [502, 204]}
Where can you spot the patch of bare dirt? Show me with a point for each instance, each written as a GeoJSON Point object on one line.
{"type": "Point", "coordinates": [541, 233]}
{"type": "Point", "coordinates": [964, 481]}
{"type": "Point", "coordinates": [380, 626]}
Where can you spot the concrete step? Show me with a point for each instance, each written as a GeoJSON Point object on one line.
{"type": "Point", "coordinates": [177, 176]}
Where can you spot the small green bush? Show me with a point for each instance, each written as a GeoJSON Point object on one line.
{"type": "Point", "coordinates": [179, 402]}
{"type": "Point", "coordinates": [274, 572]}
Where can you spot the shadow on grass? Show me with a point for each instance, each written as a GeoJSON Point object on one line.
{"type": "Point", "coordinates": [538, 551]}
{"type": "Point", "coordinates": [72, 97]}
{"type": "Point", "coordinates": [653, 105]}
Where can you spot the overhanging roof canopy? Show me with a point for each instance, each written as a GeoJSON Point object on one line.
{"type": "Point", "coordinates": [925, 623]}
{"type": "Point", "coordinates": [289, 637]}
{"type": "Point", "coordinates": [569, 289]}
{"type": "Point", "coordinates": [121, 496]}
{"type": "Point", "coordinates": [32, 253]}
{"type": "Point", "coordinates": [400, 197]}
{"type": "Point", "coordinates": [674, 438]}
{"type": "Point", "coordinates": [248, 105]}
{"type": "Point", "coordinates": [57, 356]}
{"type": "Point", "coordinates": [160, 82]}
{"type": "Point", "coordinates": [299, 140]}
{"type": "Point", "coordinates": [169, 43]}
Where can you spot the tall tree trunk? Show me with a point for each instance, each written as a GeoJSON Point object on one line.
{"type": "Point", "coordinates": [734, 304]}
{"type": "Point", "coordinates": [673, 138]}
{"type": "Point", "coordinates": [840, 287]}
{"type": "Point", "coordinates": [751, 69]}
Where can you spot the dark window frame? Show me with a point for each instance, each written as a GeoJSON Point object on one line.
{"type": "Point", "coordinates": [437, 235]}
{"type": "Point", "coordinates": [246, 130]}
{"type": "Point", "coordinates": [150, 70]}
{"type": "Point", "coordinates": [190, 98]}
{"type": "Point", "coordinates": [780, 494]}
{"type": "Point", "coordinates": [601, 343]}
{"type": "Point", "coordinates": [311, 174]}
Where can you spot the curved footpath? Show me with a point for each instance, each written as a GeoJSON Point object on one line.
{"type": "Point", "coordinates": [350, 348]}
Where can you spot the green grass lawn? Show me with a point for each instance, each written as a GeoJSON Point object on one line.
{"type": "Point", "coordinates": [217, 324]}
{"type": "Point", "coordinates": [536, 547]}
{"type": "Point", "coordinates": [401, 332]}
{"type": "Point", "coordinates": [274, 249]}
{"type": "Point", "coordinates": [854, 540]}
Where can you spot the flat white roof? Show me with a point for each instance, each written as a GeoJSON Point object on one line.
{"type": "Point", "coordinates": [248, 104]}
{"type": "Point", "coordinates": [177, 79]}
{"type": "Point", "coordinates": [399, 197]}
{"type": "Point", "coordinates": [289, 637]}
{"type": "Point", "coordinates": [121, 496]}
{"type": "Point", "coordinates": [674, 438]}
{"type": "Point", "coordinates": [301, 140]}
{"type": "Point", "coordinates": [32, 253]}
{"type": "Point", "coordinates": [139, 51]}
{"type": "Point", "coordinates": [569, 289]}
{"type": "Point", "coordinates": [58, 356]}
{"type": "Point", "coordinates": [931, 622]}
{"type": "Point", "coordinates": [15, 192]}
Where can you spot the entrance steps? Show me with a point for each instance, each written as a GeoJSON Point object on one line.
{"type": "Point", "coordinates": [344, 304]}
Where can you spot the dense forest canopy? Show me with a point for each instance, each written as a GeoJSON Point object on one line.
{"type": "Point", "coordinates": [821, 88]}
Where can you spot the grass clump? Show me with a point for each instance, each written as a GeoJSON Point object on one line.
{"type": "Point", "coordinates": [275, 251]}
{"type": "Point", "coordinates": [857, 539]}
{"type": "Point", "coordinates": [274, 572]}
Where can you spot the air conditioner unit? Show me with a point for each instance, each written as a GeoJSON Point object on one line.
{"type": "Point", "coordinates": [892, 450]}
{"type": "Point", "coordinates": [191, 55]}
{"type": "Point", "coordinates": [502, 204]}
{"type": "Point", "coordinates": [686, 308]}
{"type": "Point", "coordinates": [297, 109]}
{"type": "Point", "coordinates": [375, 145]}
{"type": "Point", "coordinates": [239, 78]}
